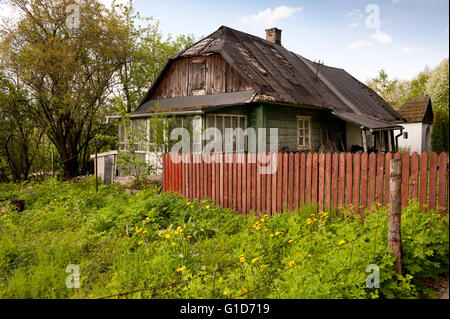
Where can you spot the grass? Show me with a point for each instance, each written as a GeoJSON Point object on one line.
{"type": "Point", "coordinates": [163, 246]}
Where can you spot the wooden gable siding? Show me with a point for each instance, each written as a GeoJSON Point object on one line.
{"type": "Point", "coordinates": [199, 76]}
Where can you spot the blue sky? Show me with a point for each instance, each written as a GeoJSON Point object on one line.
{"type": "Point", "coordinates": [410, 34]}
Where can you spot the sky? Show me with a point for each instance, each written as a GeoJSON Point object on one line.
{"type": "Point", "coordinates": [362, 37]}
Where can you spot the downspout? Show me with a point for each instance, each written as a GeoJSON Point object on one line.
{"type": "Point", "coordinates": [396, 139]}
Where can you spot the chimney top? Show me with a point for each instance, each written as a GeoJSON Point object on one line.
{"type": "Point", "coordinates": [273, 35]}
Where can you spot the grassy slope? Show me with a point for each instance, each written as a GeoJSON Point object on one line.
{"type": "Point", "coordinates": [171, 248]}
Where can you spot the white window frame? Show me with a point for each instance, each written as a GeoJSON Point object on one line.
{"type": "Point", "coordinates": [304, 147]}
{"type": "Point", "coordinates": [231, 116]}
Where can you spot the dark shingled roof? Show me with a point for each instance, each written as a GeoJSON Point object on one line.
{"type": "Point", "coordinates": [278, 75]}
{"type": "Point", "coordinates": [417, 109]}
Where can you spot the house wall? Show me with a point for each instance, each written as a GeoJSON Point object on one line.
{"type": "Point", "coordinates": [199, 76]}
{"type": "Point", "coordinates": [418, 139]}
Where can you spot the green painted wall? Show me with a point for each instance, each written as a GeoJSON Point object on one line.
{"type": "Point", "coordinates": [285, 119]}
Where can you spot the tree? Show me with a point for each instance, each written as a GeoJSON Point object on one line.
{"type": "Point", "coordinates": [418, 85]}
{"type": "Point", "coordinates": [440, 131]}
{"type": "Point", "coordinates": [392, 91]}
{"type": "Point", "coordinates": [438, 86]}
{"type": "Point", "coordinates": [146, 55]}
{"type": "Point", "coordinates": [67, 69]}
{"type": "Point", "coordinates": [18, 138]}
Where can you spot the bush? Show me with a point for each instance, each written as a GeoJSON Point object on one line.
{"type": "Point", "coordinates": [440, 132]}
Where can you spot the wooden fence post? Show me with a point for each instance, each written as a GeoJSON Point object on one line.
{"type": "Point", "coordinates": [395, 210]}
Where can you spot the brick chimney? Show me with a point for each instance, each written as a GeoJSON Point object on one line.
{"type": "Point", "coordinates": [273, 35]}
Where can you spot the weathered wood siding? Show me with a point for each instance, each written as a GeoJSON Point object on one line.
{"type": "Point", "coordinates": [199, 76]}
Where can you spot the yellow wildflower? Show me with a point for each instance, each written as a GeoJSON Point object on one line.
{"type": "Point", "coordinates": [188, 203]}
{"type": "Point", "coordinates": [244, 291]}
{"type": "Point", "coordinates": [254, 260]}
{"type": "Point", "coordinates": [207, 207]}
{"type": "Point", "coordinates": [342, 242]}
{"type": "Point", "coordinates": [277, 233]}
{"type": "Point", "coordinates": [174, 244]}
{"type": "Point", "coordinates": [291, 241]}
{"type": "Point", "coordinates": [139, 230]}
{"type": "Point", "coordinates": [176, 233]}
{"type": "Point", "coordinates": [242, 259]}
{"type": "Point", "coordinates": [299, 255]}
{"type": "Point", "coordinates": [309, 255]}
{"type": "Point", "coordinates": [144, 232]}
{"type": "Point", "coordinates": [189, 236]}
{"type": "Point", "coordinates": [167, 236]}
{"type": "Point", "coordinates": [220, 279]}
{"type": "Point", "coordinates": [291, 263]}
{"type": "Point", "coordinates": [147, 219]}
{"type": "Point", "coordinates": [226, 292]}
{"type": "Point", "coordinates": [179, 228]}
{"type": "Point", "coordinates": [181, 269]}
{"type": "Point", "coordinates": [140, 243]}
{"type": "Point", "coordinates": [272, 235]}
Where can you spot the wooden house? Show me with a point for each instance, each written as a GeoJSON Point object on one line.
{"type": "Point", "coordinates": [232, 79]}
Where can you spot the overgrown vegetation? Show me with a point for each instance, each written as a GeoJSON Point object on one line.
{"type": "Point", "coordinates": [163, 246]}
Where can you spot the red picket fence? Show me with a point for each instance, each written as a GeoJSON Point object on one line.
{"type": "Point", "coordinates": [339, 180]}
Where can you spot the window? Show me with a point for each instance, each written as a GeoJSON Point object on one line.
{"type": "Point", "coordinates": [304, 132]}
{"type": "Point", "coordinates": [224, 121]}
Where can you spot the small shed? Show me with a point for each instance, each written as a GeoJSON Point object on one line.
{"type": "Point", "coordinates": [418, 112]}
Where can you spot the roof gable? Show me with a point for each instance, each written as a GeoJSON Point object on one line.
{"type": "Point", "coordinates": [417, 110]}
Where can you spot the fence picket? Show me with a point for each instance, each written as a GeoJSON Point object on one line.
{"type": "Point", "coordinates": [321, 185]}
{"type": "Point", "coordinates": [296, 180]}
{"type": "Point", "coordinates": [405, 179]}
{"type": "Point", "coordinates": [380, 178]}
{"type": "Point", "coordinates": [442, 179]}
{"type": "Point", "coordinates": [328, 180]}
{"type": "Point", "coordinates": [291, 182]}
{"type": "Point", "coordinates": [364, 179]}
{"type": "Point", "coordinates": [414, 176]}
{"type": "Point", "coordinates": [433, 181]}
{"type": "Point", "coordinates": [356, 181]}
{"type": "Point", "coordinates": [423, 180]}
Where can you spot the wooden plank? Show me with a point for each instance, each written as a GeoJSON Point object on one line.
{"type": "Point", "coordinates": [349, 182]}
{"type": "Point", "coordinates": [239, 182]}
{"type": "Point", "coordinates": [274, 183]}
{"type": "Point", "coordinates": [230, 180]}
{"type": "Point", "coordinates": [268, 194]}
{"type": "Point", "coordinates": [387, 175]}
{"type": "Point", "coordinates": [302, 178]}
{"type": "Point", "coordinates": [405, 180]}
{"type": "Point", "coordinates": [341, 202]}
{"type": "Point", "coordinates": [222, 180]}
{"type": "Point", "coordinates": [423, 181]}
{"type": "Point", "coordinates": [296, 180]}
{"type": "Point", "coordinates": [258, 183]}
{"type": "Point", "coordinates": [285, 181]}
{"type": "Point", "coordinates": [254, 186]}
{"type": "Point", "coordinates": [244, 183]}
{"type": "Point", "coordinates": [315, 176]}
{"type": "Point", "coordinates": [308, 178]}
{"type": "Point", "coordinates": [328, 180]}
{"type": "Point", "coordinates": [356, 181]}
{"type": "Point", "coordinates": [415, 176]}
{"type": "Point", "coordinates": [291, 182]}
{"type": "Point", "coordinates": [321, 184]}
{"type": "Point", "coordinates": [433, 181]}
{"type": "Point", "coordinates": [364, 179]}
{"type": "Point", "coordinates": [334, 180]}
{"type": "Point", "coordinates": [372, 178]}
{"type": "Point", "coordinates": [280, 184]}
{"type": "Point", "coordinates": [235, 182]}
{"type": "Point", "coordinates": [264, 191]}
{"type": "Point", "coordinates": [380, 178]}
{"type": "Point", "coordinates": [249, 184]}
{"type": "Point", "coordinates": [201, 177]}
{"type": "Point", "coordinates": [442, 179]}
{"type": "Point", "coordinates": [213, 177]}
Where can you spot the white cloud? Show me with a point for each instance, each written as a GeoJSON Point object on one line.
{"type": "Point", "coordinates": [395, 1]}
{"type": "Point", "coordinates": [408, 50]}
{"type": "Point", "coordinates": [354, 25]}
{"type": "Point", "coordinates": [360, 44]}
{"type": "Point", "coordinates": [381, 37]}
{"type": "Point", "coordinates": [269, 16]}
